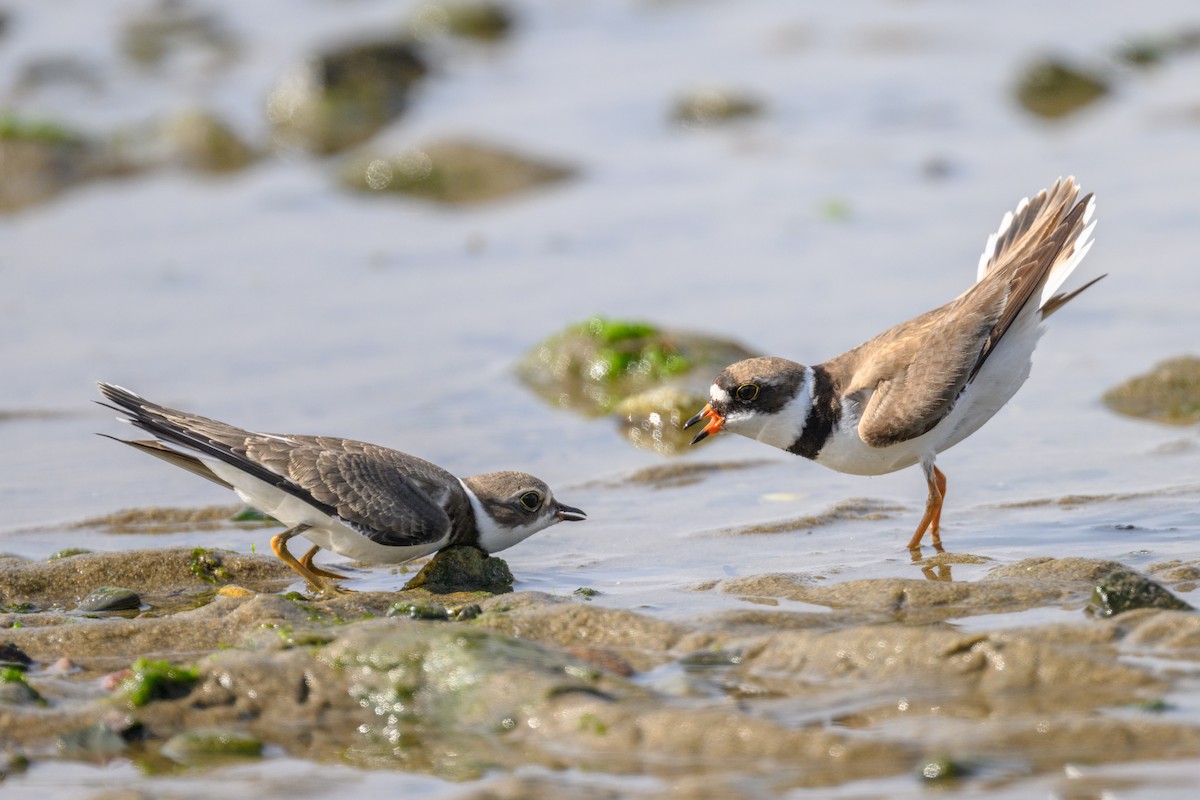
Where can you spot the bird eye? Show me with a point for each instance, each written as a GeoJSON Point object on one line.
{"type": "Point", "coordinates": [530, 501]}
{"type": "Point", "coordinates": [747, 392]}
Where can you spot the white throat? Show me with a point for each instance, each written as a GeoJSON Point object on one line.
{"type": "Point", "coordinates": [782, 428]}
{"type": "Point", "coordinates": [494, 537]}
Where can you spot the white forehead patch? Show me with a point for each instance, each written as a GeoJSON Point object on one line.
{"type": "Point", "coordinates": [719, 395]}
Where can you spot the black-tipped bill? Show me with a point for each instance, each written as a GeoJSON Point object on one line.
{"type": "Point", "coordinates": [715, 423]}
{"type": "Point", "coordinates": [569, 513]}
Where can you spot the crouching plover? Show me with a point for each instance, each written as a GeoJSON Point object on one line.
{"type": "Point", "coordinates": [926, 384]}
{"type": "Point", "coordinates": [359, 500]}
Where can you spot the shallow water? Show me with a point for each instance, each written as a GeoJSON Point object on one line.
{"type": "Point", "coordinates": [274, 300]}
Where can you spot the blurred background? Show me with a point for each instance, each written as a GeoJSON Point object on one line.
{"type": "Point", "coordinates": [356, 217]}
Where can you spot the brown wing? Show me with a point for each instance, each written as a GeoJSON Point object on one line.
{"type": "Point", "coordinates": [388, 496]}
{"type": "Point", "coordinates": [391, 497]}
{"type": "Point", "coordinates": [918, 368]}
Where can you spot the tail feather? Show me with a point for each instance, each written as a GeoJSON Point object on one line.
{"type": "Point", "coordinates": [181, 460]}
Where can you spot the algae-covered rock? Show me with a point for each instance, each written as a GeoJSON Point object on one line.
{"type": "Point", "coordinates": [1170, 392]}
{"type": "Point", "coordinates": [40, 158]}
{"type": "Point", "coordinates": [1123, 590]}
{"type": "Point", "coordinates": [463, 569]}
{"type": "Point", "coordinates": [451, 171]}
{"type": "Point", "coordinates": [13, 656]}
{"type": "Point", "coordinates": [163, 30]}
{"type": "Point", "coordinates": [713, 106]}
{"type": "Point", "coordinates": [15, 689]}
{"type": "Point", "coordinates": [102, 741]}
{"type": "Point", "coordinates": [1052, 88]}
{"type": "Point", "coordinates": [594, 365]}
{"type": "Point", "coordinates": [110, 598]}
{"type": "Point", "coordinates": [157, 680]}
{"type": "Point", "coordinates": [343, 96]}
{"type": "Point", "coordinates": [469, 19]}
{"type": "Point", "coordinates": [202, 142]}
{"type": "Point", "coordinates": [207, 746]}
{"type": "Point", "coordinates": [654, 419]}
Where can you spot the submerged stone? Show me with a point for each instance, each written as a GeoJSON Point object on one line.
{"type": "Point", "coordinates": [68, 553]}
{"type": "Point", "coordinates": [13, 656]}
{"type": "Point", "coordinates": [451, 171]}
{"type": "Point", "coordinates": [1123, 590]}
{"type": "Point", "coordinates": [468, 19]}
{"type": "Point", "coordinates": [654, 419]}
{"type": "Point", "coordinates": [463, 569]}
{"type": "Point", "coordinates": [595, 365]}
{"type": "Point", "coordinates": [15, 689]}
{"type": "Point", "coordinates": [157, 680]}
{"type": "Point", "coordinates": [1169, 392]}
{"type": "Point", "coordinates": [101, 742]}
{"type": "Point", "coordinates": [343, 96]}
{"type": "Point", "coordinates": [160, 31]}
{"type": "Point", "coordinates": [1051, 88]}
{"type": "Point", "coordinates": [713, 106]}
{"type": "Point", "coordinates": [207, 745]}
{"type": "Point", "coordinates": [200, 141]}
{"type": "Point", "coordinates": [110, 598]}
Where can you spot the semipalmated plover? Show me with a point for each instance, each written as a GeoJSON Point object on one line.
{"type": "Point", "coordinates": [360, 500]}
{"type": "Point", "coordinates": [926, 384]}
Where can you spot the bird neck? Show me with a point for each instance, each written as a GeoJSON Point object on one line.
{"type": "Point", "coordinates": [491, 536]}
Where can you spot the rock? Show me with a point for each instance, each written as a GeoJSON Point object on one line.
{"type": "Point", "coordinates": [160, 573]}
{"type": "Point", "coordinates": [1123, 590]}
{"type": "Point", "coordinates": [943, 769]}
{"type": "Point", "coordinates": [69, 552]}
{"type": "Point", "coordinates": [1051, 88]}
{"type": "Point", "coordinates": [343, 96]}
{"type": "Point", "coordinates": [42, 158]}
{"type": "Point", "coordinates": [713, 106]}
{"type": "Point", "coordinates": [110, 598]}
{"type": "Point", "coordinates": [156, 680]}
{"type": "Point", "coordinates": [199, 141]}
{"type": "Point", "coordinates": [594, 365]}
{"type": "Point", "coordinates": [13, 656]}
{"type": "Point", "coordinates": [208, 745]}
{"type": "Point", "coordinates": [463, 569]}
{"type": "Point", "coordinates": [1169, 392]}
{"type": "Point", "coordinates": [455, 172]}
{"type": "Point", "coordinates": [101, 742]}
{"type": "Point", "coordinates": [654, 419]}
{"type": "Point", "coordinates": [15, 689]}
{"type": "Point", "coordinates": [171, 29]}
{"type": "Point", "coordinates": [468, 19]}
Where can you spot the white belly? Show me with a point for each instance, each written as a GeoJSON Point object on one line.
{"type": "Point", "coordinates": [324, 530]}
{"type": "Point", "coordinates": [1001, 376]}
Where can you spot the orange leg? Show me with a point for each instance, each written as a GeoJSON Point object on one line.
{"type": "Point", "coordinates": [279, 545]}
{"type": "Point", "coordinates": [307, 559]}
{"type": "Point", "coordinates": [932, 520]}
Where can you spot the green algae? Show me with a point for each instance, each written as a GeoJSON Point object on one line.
{"type": "Point", "coordinates": [1124, 590]}
{"type": "Point", "coordinates": [209, 745]}
{"type": "Point", "coordinates": [68, 553]}
{"type": "Point", "coordinates": [157, 680]}
{"type": "Point", "coordinates": [25, 129]}
{"type": "Point", "coordinates": [207, 567]}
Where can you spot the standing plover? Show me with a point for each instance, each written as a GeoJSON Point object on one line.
{"type": "Point", "coordinates": [926, 384]}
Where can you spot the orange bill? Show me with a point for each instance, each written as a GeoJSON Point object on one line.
{"type": "Point", "coordinates": [715, 423]}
